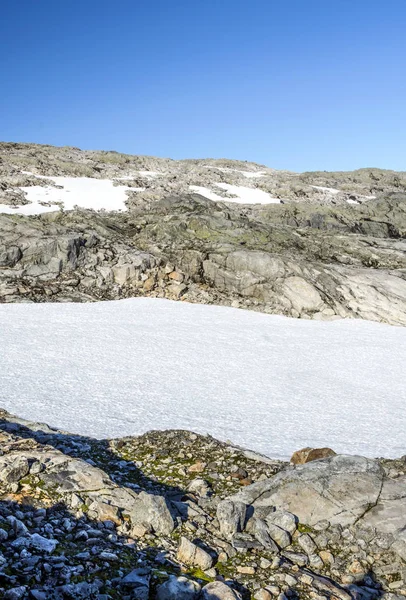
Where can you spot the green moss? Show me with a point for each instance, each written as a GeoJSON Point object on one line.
{"type": "Point", "coordinates": [199, 574]}
{"type": "Point", "coordinates": [304, 528]}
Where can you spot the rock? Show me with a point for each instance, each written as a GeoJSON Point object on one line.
{"type": "Point", "coordinates": [191, 554]}
{"type": "Point", "coordinates": [263, 535]}
{"type": "Point", "coordinates": [297, 557]}
{"type": "Point", "coordinates": [262, 595]}
{"type": "Point", "coordinates": [231, 516]}
{"type": "Point", "coordinates": [200, 487]}
{"type": "Point", "coordinates": [219, 591]}
{"type": "Point", "coordinates": [320, 490]}
{"type": "Point", "coordinates": [306, 455]}
{"type": "Point", "coordinates": [138, 581]}
{"type": "Point", "coordinates": [246, 570]}
{"type": "Point", "coordinates": [178, 588]}
{"type": "Point", "coordinates": [279, 535]}
{"type": "Point", "coordinates": [41, 543]}
{"type": "Point", "coordinates": [13, 468]}
{"type": "Point", "coordinates": [15, 593]}
{"type": "Point", "coordinates": [151, 510]}
{"type": "Point", "coordinates": [307, 543]}
{"type": "Point", "coordinates": [283, 519]}
{"type": "Point", "coordinates": [198, 467]}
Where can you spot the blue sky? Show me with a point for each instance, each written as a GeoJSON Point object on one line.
{"type": "Point", "coordinates": [294, 84]}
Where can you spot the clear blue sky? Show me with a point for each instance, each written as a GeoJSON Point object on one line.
{"type": "Point", "coordinates": [295, 84]}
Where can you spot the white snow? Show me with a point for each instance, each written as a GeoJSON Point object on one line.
{"type": "Point", "coordinates": [248, 174]}
{"type": "Point", "coordinates": [266, 382]}
{"type": "Point", "coordinates": [253, 174]}
{"type": "Point", "coordinates": [326, 189]}
{"type": "Point", "coordinates": [204, 191]}
{"type": "Point", "coordinates": [245, 195]}
{"type": "Point", "coordinates": [150, 174]}
{"type": "Point", "coordinates": [85, 192]}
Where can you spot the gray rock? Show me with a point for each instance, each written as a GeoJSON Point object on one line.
{"type": "Point", "coordinates": [152, 511]}
{"type": "Point", "coordinates": [13, 468]}
{"type": "Point", "coordinates": [339, 489]}
{"type": "Point", "coordinates": [219, 591]}
{"type": "Point", "coordinates": [178, 588]}
{"type": "Point", "coordinates": [306, 542]}
{"type": "Point", "coordinates": [191, 554]}
{"type": "Point", "coordinates": [231, 516]}
{"type": "Point", "coordinates": [279, 535]}
{"type": "Point", "coordinates": [41, 543]}
{"type": "Point", "coordinates": [283, 519]}
{"type": "Point", "coordinates": [15, 593]}
{"type": "Point", "coordinates": [138, 581]}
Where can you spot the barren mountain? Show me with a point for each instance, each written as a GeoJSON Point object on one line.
{"type": "Point", "coordinates": [83, 226]}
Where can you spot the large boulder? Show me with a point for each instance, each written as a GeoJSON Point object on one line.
{"type": "Point", "coordinates": [339, 489]}
{"type": "Point", "coordinates": [217, 590]}
{"type": "Point", "coordinates": [178, 588]}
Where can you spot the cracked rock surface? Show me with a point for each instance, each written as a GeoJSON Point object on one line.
{"type": "Point", "coordinates": [174, 514]}
{"type": "Point", "coordinates": [307, 258]}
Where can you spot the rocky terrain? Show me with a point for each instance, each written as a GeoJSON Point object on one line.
{"type": "Point", "coordinates": [173, 514]}
{"type": "Point", "coordinates": [177, 515]}
{"type": "Point", "coordinates": [324, 245]}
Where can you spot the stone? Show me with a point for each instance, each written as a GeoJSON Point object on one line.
{"type": "Point", "coordinates": [263, 535]}
{"type": "Point", "coordinates": [306, 542]}
{"type": "Point", "coordinates": [13, 468]}
{"type": "Point", "coordinates": [231, 516]}
{"type": "Point", "coordinates": [178, 588]}
{"type": "Point", "coordinates": [191, 554]}
{"type": "Point", "coordinates": [138, 581]}
{"type": "Point", "coordinates": [151, 510]}
{"type": "Point", "coordinates": [42, 544]}
{"type": "Point", "coordinates": [283, 519]}
{"type": "Point", "coordinates": [198, 467]}
{"type": "Point", "coordinates": [200, 487]}
{"type": "Point", "coordinates": [306, 455]}
{"type": "Point", "coordinates": [263, 594]}
{"type": "Point", "coordinates": [279, 535]}
{"type": "Point", "coordinates": [15, 593]}
{"type": "Point", "coordinates": [339, 489]}
{"type": "Point", "coordinates": [327, 557]}
{"type": "Point", "coordinates": [218, 590]}
{"type": "Point", "coordinates": [246, 570]}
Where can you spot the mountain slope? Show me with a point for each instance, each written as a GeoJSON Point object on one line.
{"type": "Point", "coordinates": [318, 245]}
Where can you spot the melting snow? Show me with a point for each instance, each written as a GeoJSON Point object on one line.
{"type": "Point", "coordinates": [266, 382]}
{"type": "Point", "coordinates": [245, 195]}
{"type": "Point", "coordinates": [85, 192]}
{"type": "Point", "coordinates": [326, 189]}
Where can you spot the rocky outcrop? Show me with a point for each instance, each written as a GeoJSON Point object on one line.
{"type": "Point", "coordinates": [84, 518]}
{"type": "Point", "coordinates": [197, 250]}
{"type": "Point", "coordinates": [343, 491]}
{"type": "Point", "coordinates": [312, 256]}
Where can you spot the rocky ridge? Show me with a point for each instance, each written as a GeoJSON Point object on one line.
{"type": "Point", "coordinates": [174, 514]}
{"type": "Point", "coordinates": [307, 258]}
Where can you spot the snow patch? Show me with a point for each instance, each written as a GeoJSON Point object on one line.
{"type": "Point", "coordinates": [244, 195]}
{"type": "Point", "coordinates": [326, 189]}
{"type": "Point", "coordinates": [266, 382]}
{"type": "Point", "coordinates": [85, 192]}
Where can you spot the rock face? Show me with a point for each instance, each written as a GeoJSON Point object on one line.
{"type": "Point", "coordinates": [341, 490]}
{"type": "Point", "coordinates": [92, 519]}
{"type": "Point", "coordinates": [314, 256]}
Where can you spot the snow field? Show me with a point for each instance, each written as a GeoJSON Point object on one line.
{"type": "Point", "coordinates": [265, 382]}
